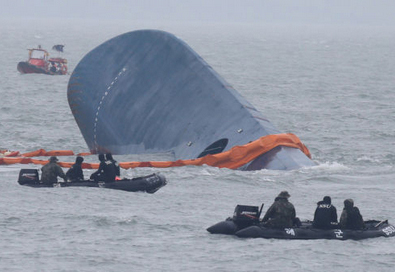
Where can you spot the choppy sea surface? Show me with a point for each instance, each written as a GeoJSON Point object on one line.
{"type": "Point", "coordinates": [332, 86]}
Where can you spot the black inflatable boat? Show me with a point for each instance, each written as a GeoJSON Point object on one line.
{"type": "Point", "coordinates": [149, 184]}
{"type": "Point", "coordinates": [245, 224]}
{"type": "Point", "coordinates": [243, 217]}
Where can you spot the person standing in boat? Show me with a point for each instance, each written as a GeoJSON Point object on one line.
{"type": "Point", "coordinates": [325, 216]}
{"type": "Point", "coordinates": [351, 218]}
{"type": "Point", "coordinates": [51, 171]}
{"type": "Point", "coordinates": [99, 174]}
{"type": "Point", "coordinates": [281, 213]}
{"type": "Point", "coordinates": [75, 173]}
{"type": "Point", "coordinates": [52, 67]}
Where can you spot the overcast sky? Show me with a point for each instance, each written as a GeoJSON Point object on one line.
{"type": "Point", "coordinates": [371, 12]}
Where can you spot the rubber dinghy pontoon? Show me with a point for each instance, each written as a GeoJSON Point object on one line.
{"type": "Point", "coordinates": [148, 92]}
{"type": "Point", "coordinates": [245, 224]}
{"type": "Point", "coordinates": [149, 184]}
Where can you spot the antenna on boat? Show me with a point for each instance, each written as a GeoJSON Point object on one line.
{"type": "Point", "coordinates": [260, 211]}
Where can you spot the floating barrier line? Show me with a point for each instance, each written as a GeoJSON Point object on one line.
{"type": "Point", "coordinates": [232, 159]}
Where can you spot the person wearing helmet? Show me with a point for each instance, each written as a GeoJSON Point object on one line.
{"type": "Point", "coordinates": [75, 173]}
{"type": "Point", "coordinates": [51, 171]}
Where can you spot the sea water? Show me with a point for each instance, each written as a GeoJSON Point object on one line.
{"type": "Point", "coordinates": [332, 86]}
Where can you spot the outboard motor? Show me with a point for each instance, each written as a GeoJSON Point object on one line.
{"type": "Point", "coordinates": [28, 176]}
{"type": "Point", "coordinates": [245, 216]}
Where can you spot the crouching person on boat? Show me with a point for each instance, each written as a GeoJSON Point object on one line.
{"type": "Point", "coordinates": [281, 213]}
{"type": "Point", "coordinates": [113, 167]}
{"type": "Point", "coordinates": [351, 218]}
{"type": "Point", "coordinates": [51, 171]}
{"type": "Point", "coordinates": [99, 174]}
{"type": "Point", "coordinates": [108, 169]}
{"type": "Point", "coordinates": [75, 173]}
{"type": "Point", "coordinates": [325, 215]}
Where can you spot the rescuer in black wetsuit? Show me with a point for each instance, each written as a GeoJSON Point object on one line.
{"type": "Point", "coordinates": [325, 216]}
{"type": "Point", "coordinates": [75, 173]}
{"type": "Point", "coordinates": [111, 169]}
{"type": "Point", "coordinates": [99, 174]}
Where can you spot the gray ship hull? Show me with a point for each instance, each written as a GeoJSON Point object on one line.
{"type": "Point", "coordinates": [148, 92]}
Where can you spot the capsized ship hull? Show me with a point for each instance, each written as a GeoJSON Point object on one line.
{"type": "Point", "coordinates": [148, 92]}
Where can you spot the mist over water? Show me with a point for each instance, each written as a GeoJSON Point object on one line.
{"type": "Point", "coordinates": [332, 86]}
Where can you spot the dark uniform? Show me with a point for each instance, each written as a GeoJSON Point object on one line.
{"type": "Point", "coordinates": [351, 218]}
{"type": "Point", "coordinates": [325, 216]}
{"type": "Point", "coordinates": [51, 171]}
{"type": "Point", "coordinates": [75, 173]}
{"type": "Point", "coordinates": [99, 174]}
{"type": "Point", "coordinates": [111, 169]}
{"type": "Point", "coordinates": [114, 163]}
{"type": "Point", "coordinates": [281, 213]}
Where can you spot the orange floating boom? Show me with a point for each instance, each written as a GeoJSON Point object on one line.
{"type": "Point", "coordinates": [232, 159]}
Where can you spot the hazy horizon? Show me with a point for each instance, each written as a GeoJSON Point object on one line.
{"type": "Point", "coordinates": [354, 12]}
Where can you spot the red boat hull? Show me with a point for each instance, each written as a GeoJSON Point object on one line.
{"type": "Point", "coordinates": [25, 67]}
